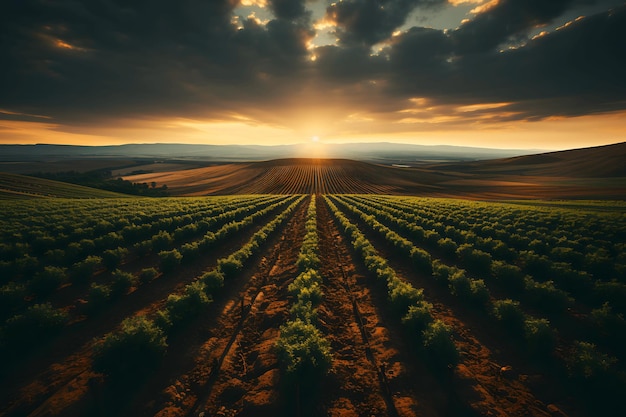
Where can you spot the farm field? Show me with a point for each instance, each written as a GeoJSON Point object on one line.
{"type": "Point", "coordinates": [312, 304]}
{"type": "Point", "coordinates": [590, 173]}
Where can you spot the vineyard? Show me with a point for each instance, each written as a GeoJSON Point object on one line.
{"type": "Point", "coordinates": [311, 303]}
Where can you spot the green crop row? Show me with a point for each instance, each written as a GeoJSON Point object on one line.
{"type": "Point", "coordinates": [407, 302]}
{"type": "Point", "coordinates": [141, 341]}
{"type": "Point", "coordinates": [303, 351]}
{"type": "Point", "coordinates": [596, 373]}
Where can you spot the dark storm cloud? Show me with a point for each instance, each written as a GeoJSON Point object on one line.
{"type": "Point", "coordinates": [115, 57]}
{"type": "Point", "coordinates": [507, 18]}
{"type": "Point", "coordinates": [103, 60]}
{"type": "Point", "coordinates": [288, 9]}
{"type": "Point", "coordinates": [572, 71]}
{"type": "Point", "coordinates": [371, 21]}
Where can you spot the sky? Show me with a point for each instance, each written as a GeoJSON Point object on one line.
{"type": "Point", "coordinates": [522, 74]}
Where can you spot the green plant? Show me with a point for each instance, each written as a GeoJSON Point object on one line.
{"type": "Point", "coordinates": [302, 350]}
{"type": "Point", "coordinates": [48, 280]}
{"type": "Point", "coordinates": [83, 271]}
{"type": "Point", "coordinates": [170, 259]}
{"type": "Point", "coordinates": [439, 344]}
{"type": "Point", "coordinates": [148, 274]}
{"type": "Point", "coordinates": [38, 322]}
{"type": "Point", "coordinates": [135, 348]}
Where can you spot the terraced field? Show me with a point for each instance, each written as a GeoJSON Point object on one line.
{"type": "Point", "coordinates": [311, 305]}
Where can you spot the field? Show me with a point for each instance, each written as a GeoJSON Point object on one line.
{"type": "Point", "coordinates": [592, 173]}
{"type": "Point", "coordinates": [14, 186]}
{"type": "Point", "coordinates": [312, 304]}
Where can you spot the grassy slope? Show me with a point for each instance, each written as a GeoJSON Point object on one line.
{"type": "Point", "coordinates": [14, 186]}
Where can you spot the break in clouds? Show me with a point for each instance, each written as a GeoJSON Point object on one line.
{"type": "Point", "coordinates": [98, 61]}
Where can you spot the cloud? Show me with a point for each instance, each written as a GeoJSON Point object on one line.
{"type": "Point", "coordinates": [100, 61]}
{"type": "Point", "coordinates": [371, 21]}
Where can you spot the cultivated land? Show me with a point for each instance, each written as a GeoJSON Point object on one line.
{"type": "Point", "coordinates": [596, 173]}
{"type": "Point", "coordinates": [329, 298]}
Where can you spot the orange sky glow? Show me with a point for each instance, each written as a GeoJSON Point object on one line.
{"type": "Point", "coordinates": [482, 73]}
{"type": "Point", "coordinates": [550, 134]}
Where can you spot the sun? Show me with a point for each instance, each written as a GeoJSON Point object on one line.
{"type": "Point", "coordinates": [315, 139]}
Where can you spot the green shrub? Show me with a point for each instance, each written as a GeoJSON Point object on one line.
{"type": "Point", "coordinates": [304, 311]}
{"type": "Point", "coordinates": [135, 348]}
{"type": "Point", "coordinates": [148, 274]}
{"type": "Point", "coordinates": [190, 250]}
{"type": "Point", "coordinates": [83, 271]}
{"type": "Point", "coordinates": [170, 259]}
{"type": "Point", "coordinates": [447, 245]}
{"type": "Point", "coordinates": [304, 280]}
{"type": "Point", "coordinates": [308, 260]}
{"type": "Point", "coordinates": [161, 241]}
{"type": "Point", "coordinates": [302, 350]}
{"type": "Point", "coordinates": [587, 363]}
{"type": "Point", "coordinates": [121, 282]}
{"type": "Point", "coordinates": [48, 280]}
{"type": "Point", "coordinates": [421, 260]}
{"type": "Point", "coordinates": [312, 293]}
{"type": "Point", "coordinates": [439, 344]}
{"type": "Point", "coordinates": [98, 296]}
{"type": "Point", "coordinates": [11, 297]}
{"type": "Point", "coordinates": [442, 272]}
{"type": "Point", "coordinates": [473, 259]}
{"type": "Point", "coordinates": [37, 323]}
{"type": "Point", "coordinates": [540, 338]}
{"type": "Point", "coordinates": [417, 318]}
{"type": "Point", "coordinates": [509, 315]}
{"type": "Point", "coordinates": [213, 281]}
{"type": "Point", "coordinates": [402, 295]}
{"type": "Point", "coordinates": [112, 258]}
{"type": "Point", "coordinates": [188, 305]}
{"type": "Point", "coordinates": [510, 276]}
{"type": "Point", "coordinates": [546, 296]}
{"type": "Point", "coordinates": [230, 266]}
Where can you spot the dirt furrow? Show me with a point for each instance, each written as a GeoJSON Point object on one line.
{"type": "Point", "coordinates": [70, 385]}
{"type": "Point", "coordinates": [373, 374]}
{"type": "Point", "coordinates": [483, 378]}
{"type": "Point", "coordinates": [52, 364]}
{"type": "Point", "coordinates": [234, 371]}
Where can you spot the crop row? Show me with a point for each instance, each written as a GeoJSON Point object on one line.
{"type": "Point", "coordinates": [553, 297]}
{"type": "Point", "coordinates": [592, 242]}
{"type": "Point", "coordinates": [555, 279]}
{"type": "Point", "coordinates": [584, 362]}
{"type": "Point", "coordinates": [303, 351]}
{"type": "Point", "coordinates": [38, 315]}
{"type": "Point", "coordinates": [406, 302]}
{"type": "Point", "coordinates": [49, 246]}
{"type": "Point", "coordinates": [141, 341]}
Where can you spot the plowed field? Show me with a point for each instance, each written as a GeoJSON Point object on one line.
{"type": "Point", "coordinates": [412, 327]}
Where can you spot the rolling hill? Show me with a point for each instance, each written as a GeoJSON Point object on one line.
{"type": "Point", "coordinates": [13, 186]}
{"type": "Point", "coordinates": [583, 173]}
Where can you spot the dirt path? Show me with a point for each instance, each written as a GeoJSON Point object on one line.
{"type": "Point", "coordinates": [373, 371]}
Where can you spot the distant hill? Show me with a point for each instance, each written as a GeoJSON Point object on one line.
{"type": "Point", "coordinates": [595, 162]}
{"type": "Point", "coordinates": [374, 152]}
{"type": "Point", "coordinates": [585, 173]}
{"type": "Point", "coordinates": [14, 186]}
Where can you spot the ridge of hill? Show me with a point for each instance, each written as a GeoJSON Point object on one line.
{"type": "Point", "coordinates": [15, 186]}
{"type": "Point", "coordinates": [382, 152]}
{"type": "Point", "coordinates": [594, 162]}
{"type": "Point", "coordinates": [596, 173]}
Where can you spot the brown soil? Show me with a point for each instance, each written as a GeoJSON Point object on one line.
{"type": "Point", "coordinates": [511, 178]}
{"type": "Point", "coordinates": [59, 373]}
{"type": "Point", "coordinates": [522, 390]}
{"type": "Point", "coordinates": [374, 372]}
